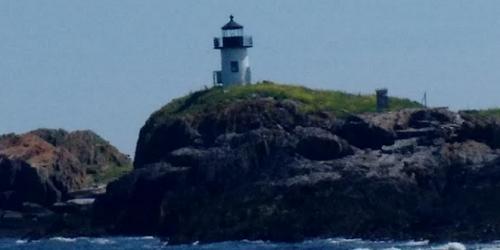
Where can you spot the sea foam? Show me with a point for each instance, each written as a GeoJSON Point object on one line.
{"type": "Point", "coordinates": [102, 241]}
{"type": "Point", "coordinates": [452, 246]}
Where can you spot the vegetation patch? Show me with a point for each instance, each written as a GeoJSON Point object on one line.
{"type": "Point", "coordinates": [111, 173]}
{"type": "Point", "coordinates": [311, 100]}
{"type": "Point", "coordinates": [485, 113]}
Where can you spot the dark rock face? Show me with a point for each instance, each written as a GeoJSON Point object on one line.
{"type": "Point", "coordinates": [20, 182]}
{"type": "Point", "coordinates": [262, 169]}
{"type": "Point", "coordinates": [318, 144]}
{"type": "Point", "coordinates": [362, 133]}
{"type": "Point", "coordinates": [156, 146]}
{"type": "Point", "coordinates": [486, 130]}
{"type": "Point", "coordinates": [143, 202]}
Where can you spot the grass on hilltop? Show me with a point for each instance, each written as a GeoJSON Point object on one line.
{"type": "Point", "coordinates": [337, 102]}
{"type": "Point", "coordinates": [492, 112]}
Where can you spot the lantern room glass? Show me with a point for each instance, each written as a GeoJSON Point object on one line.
{"type": "Point", "coordinates": [232, 33]}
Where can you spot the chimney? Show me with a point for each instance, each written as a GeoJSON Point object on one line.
{"type": "Point", "coordinates": [382, 100]}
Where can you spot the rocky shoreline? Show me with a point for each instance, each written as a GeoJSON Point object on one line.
{"type": "Point", "coordinates": [262, 169]}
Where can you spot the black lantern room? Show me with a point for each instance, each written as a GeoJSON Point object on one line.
{"type": "Point", "coordinates": [232, 36]}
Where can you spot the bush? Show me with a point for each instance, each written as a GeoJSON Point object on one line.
{"type": "Point", "coordinates": [337, 102]}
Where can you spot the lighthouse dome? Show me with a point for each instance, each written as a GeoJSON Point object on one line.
{"type": "Point", "coordinates": [232, 25]}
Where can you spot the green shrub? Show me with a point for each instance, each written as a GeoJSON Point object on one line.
{"type": "Point", "coordinates": [337, 102]}
{"type": "Point", "coordinates": [110, 173]}
{"type": "Point", "coordinates": [492, 112]}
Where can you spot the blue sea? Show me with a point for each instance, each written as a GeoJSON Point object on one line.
{"type": "Point", "coordinates": [137, 243]}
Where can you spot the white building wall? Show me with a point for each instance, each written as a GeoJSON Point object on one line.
{"type": "Point", "coordinates": [239, 55]}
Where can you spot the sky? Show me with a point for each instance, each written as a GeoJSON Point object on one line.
{"type": "Point", "coordinates": [106, 65]}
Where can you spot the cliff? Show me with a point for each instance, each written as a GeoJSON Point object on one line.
{"type": "Point", "coordinates": [43, 168]}
{"type": "Point", "coordinates": [267, 165]}
{"type": "Point", "coordinates": [101, 161]}
{"type": "Point", "coordinates": [207, 113]}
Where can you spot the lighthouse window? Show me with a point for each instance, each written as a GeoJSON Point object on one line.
{"type": "Point", "coordinates": [234, 66]}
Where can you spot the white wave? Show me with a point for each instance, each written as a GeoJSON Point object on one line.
{"type": "Point", "coordinates": [195, 243]}
{"type": "Point", "coordinates": [341, 240]}
{"type": "Point", "coordinates": [102, 241]}
{"type": "Point", "coordinates": [140, 238]}
{"type": "Point", "coordinates": [452, 246]}
{"type": "Point", "coordinates": [21, 242]}
{"type": "Point", "coordinates": [495, 245]}
{"type": "Point", "coordinates": [63, 239]}
{"type": "Point", "coordinates": [392, 248]}
{"type": "Point", "coordinates": [412, 243]}
{"type": "Point", "coordinates": [489, 247]}
{"type": "Point", "coordinates": [254, 241]}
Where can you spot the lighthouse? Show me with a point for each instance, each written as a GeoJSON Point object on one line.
{"type": "Point", "coordinates": [235, 65]}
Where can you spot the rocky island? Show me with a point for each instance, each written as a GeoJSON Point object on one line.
{"type": "Point", "coordinates": [49, 179]}
{"type": "Point", "coordinates": [263, 162]}
{"type": "Point", "coordinates": [286, 163]}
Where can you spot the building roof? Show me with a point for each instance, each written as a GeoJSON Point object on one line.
{"type": "Point", "coordinates": [232, 25]}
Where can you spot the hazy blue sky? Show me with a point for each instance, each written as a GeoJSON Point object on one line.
{"type": "Point", "coordinates": [107, 65]}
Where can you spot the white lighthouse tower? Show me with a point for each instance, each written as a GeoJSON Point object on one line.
{"type": "Point", "coordinates": [235, 65]}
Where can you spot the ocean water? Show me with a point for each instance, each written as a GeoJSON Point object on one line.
{"type": "Point", "coordinates": [137, 243]}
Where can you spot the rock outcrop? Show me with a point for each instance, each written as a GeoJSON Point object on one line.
{"type": "Point", "coordinates": [45, 167]}
{"type": "Point", "coordinates": [20, 182]}
{"type": "Point", "coordinates": [94, 153]}
{"type": "Point", "coordinates": [31, 162]}
{"type": "Point", "coordinates": [263, 169]}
